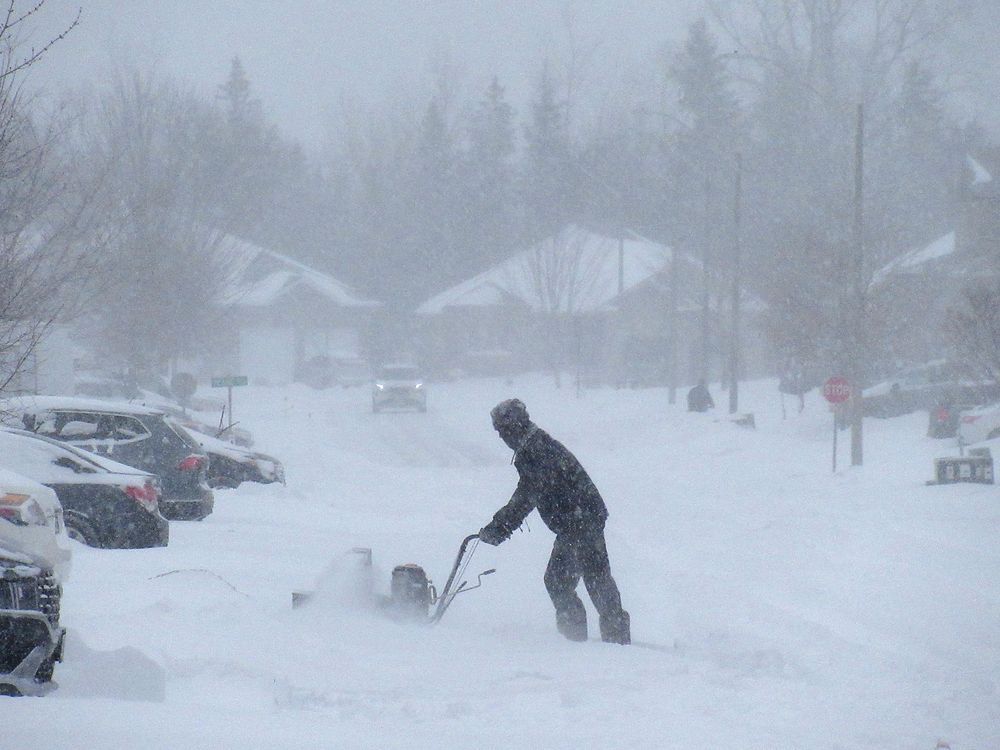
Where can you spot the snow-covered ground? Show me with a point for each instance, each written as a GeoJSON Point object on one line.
{"type": "Point", "coordinates": [789, 607]}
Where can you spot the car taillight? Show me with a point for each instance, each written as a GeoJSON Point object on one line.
{"type": "Point", "coordinates": [191, 463]}
{"type": "Point", "coordinates": [147, 495]}
{"type": "Point", "coordinates": [942, 413]}
{"type": "Point", "coordinates": [969, 418]}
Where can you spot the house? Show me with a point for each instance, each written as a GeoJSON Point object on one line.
{"type": "Point", "coordinates": [912, 295]}
{"type": "Point", "coordinates": [579, 301]}
{"type": "Point", "coordinates": [39, 363]}
{"type": "Point", "coordinates": [283, 320]}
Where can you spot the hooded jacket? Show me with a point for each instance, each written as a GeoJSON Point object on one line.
{"type": "Point", "coordinates": [552, 480]}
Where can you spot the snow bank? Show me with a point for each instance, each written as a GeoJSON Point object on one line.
{"type": "Point", "coordinates": [782, 606]}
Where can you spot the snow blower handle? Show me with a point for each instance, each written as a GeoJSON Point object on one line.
{"type": "Point", "coordinates": [458, 569]}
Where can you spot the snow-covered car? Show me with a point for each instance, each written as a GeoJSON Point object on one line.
{"type": "Point", "coordinates": [34, 560]}
{"type": "Point", "coordinates": [980, 423]}
{"type": "Point", "coordinates": [103, 503]}
{"type": "Point", "coordinates": [197, 422]}
{"type": "Point", "coordinates": [131, 434]}
{"type": "Point", "coordinates": [399, 387]}
{"type": "Point", "coordinates": [230, 465]}
{"type": "Point", "coordinates": [927, 386]}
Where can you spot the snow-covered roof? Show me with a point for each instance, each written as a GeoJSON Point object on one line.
{"type": "Point", "coordinates": [260, 277]}
{"type": "Point", "coordinates": [913, 260]}
{"type": "Point", "coordinates": [575, 271]}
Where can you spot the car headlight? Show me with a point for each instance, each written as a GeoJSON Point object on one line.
{"type": "Point", "coordinates": [419, 385]}
{"type": "Point", "coordinates": [380, 386]}
{"type": "Point", "coordinates": [21, 510]}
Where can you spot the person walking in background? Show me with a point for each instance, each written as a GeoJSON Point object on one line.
{"type": "Point", "coordinates": [699, 398]}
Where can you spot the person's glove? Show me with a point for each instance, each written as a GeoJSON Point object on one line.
{"type": "Point", "coordinates": [492, 534]}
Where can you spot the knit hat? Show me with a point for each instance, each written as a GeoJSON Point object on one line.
{"type": "Point", "coordinates": [511, 411]}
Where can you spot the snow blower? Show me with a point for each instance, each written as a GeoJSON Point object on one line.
{"type": "Point", "coordinates": [412, 595]}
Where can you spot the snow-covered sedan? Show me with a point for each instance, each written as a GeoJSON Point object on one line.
{"type": "Point", "coordinates": [230, 465]}
{"type": "Point", "coordinates": [104, 503]}
{"type": "Point", "coordinates": [981, 423]}
{"type": "Point", "coordinates": [131, 434]}
{"type": "Point", "coordinates": [34, 560]}
{"type": "Point", "coordinates": [399, 387]}
{"type": "Point", "coordinates": [926, 386]}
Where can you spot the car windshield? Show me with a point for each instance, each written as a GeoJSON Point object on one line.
{"type": "Point", "coordinates": [399, 373]}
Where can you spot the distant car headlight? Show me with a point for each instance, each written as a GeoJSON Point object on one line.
{"type": "Point", "coordinates": [419, 385]}
{"type": "Point", "coordinates": [380, 386]}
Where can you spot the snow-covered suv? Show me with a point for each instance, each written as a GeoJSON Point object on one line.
{"type": "Point", "coordinates": [399, 387]}
{"type": "Point", "coordinates": [130, 434]}
{"type": "Point", "coordinates": [34, 560]}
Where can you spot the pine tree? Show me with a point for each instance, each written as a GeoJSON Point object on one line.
{"type": "Point", "coordinates": [551, 182]}
{"type": "Point", "coordinates": [242, 110]}
{"type": "Point", "coordinates": [929, 152]}
{"type": "Point", "coordinates": [433, 262]}
{"type": "Point", "coordinates": [490, 213]}
{"type": "Point", "coordinates": [711, 109]}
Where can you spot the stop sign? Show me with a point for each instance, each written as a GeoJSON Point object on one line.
{"type": "Point", "coordinates": [836, 390]}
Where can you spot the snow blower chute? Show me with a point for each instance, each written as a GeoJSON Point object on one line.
{"type": "Point", "coordinates": [412, 595]}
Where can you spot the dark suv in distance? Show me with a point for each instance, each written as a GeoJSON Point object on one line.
{"type": "Point", "coordinates": [137, 436]}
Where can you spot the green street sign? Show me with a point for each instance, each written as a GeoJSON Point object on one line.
{"type": "Point", "coordinates": [229, 381]}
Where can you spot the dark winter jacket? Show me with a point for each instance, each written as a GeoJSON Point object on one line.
{"type": "Point", "coordinates": [552, 480]}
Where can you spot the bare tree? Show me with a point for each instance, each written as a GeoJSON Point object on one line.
{"type": "Point", "coordinates": [163, 192]}
{"type": "Point", "coordinates": [974, 329]}
{"type": "Point", "coordinates": [560, 279]}
{"type": "Point", "coordinates": [41, 213]}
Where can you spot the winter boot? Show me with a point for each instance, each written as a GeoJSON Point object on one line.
{"type": "Point", "coordinates": [572, 626]}
{"type": "Point", "coordinates": [617, 629]}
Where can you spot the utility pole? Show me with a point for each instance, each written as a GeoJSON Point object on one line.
{"type": "Point", "coordinates": [705, 278]}
{"type": "Point", "coordinates": [734, 340]}
{"type": "Point", "coordinates": [672, 322]}
{"type": "Point", "coordinates": [621, 261]}
{"type": "Point", "coordinates": [858, 294]}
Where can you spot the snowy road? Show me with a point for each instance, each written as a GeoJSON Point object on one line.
{"type": "Point", "coordinates": [791, 608]}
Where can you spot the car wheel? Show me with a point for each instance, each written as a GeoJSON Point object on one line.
{"type": "Point", "coordinates": [79, 529]}
{"type": "Point", "coordinates": [46, 670]}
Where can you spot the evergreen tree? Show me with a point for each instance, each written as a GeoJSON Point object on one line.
{"type": "Point", "coordinates": [551, 181]}
{"type": "Point", "coordinates": [703, 152]}
{"type": "Point", "coordinates": [711, 110]}
{"type": "Point", "coordinates": [488, 179]}
{"type": "Point", "coordinates": [242, 111]}
{"type": "Point", "coordinates": [929, 152]}
{"type": "Point", "coordinates": [433, 200]}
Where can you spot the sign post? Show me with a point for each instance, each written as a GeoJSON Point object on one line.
{"type": "Point", "coordinates": [836, 390]}
{"type": "Point", "coordinates": [229, 382]}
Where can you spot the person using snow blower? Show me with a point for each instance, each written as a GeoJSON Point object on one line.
{"type": "Point", "coordinates": [552, 480]}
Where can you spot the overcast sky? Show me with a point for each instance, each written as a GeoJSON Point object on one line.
{"type": "Point", "coordinates": [302, 55]}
